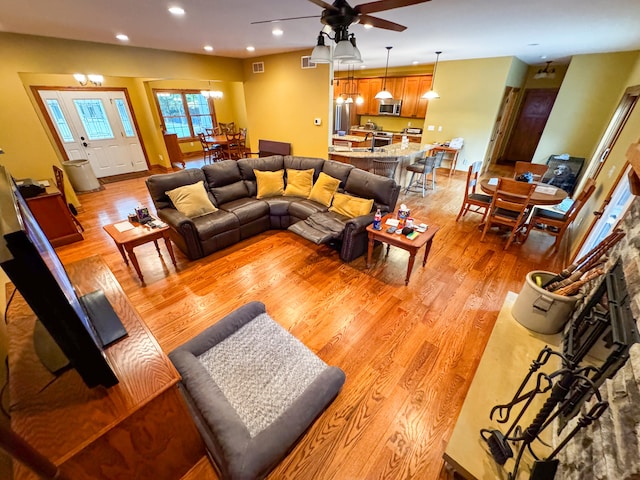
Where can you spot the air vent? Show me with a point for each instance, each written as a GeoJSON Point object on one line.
{"type": "Point", "coordinates": [305, 62]}
{"type": "Point", "coordinates": [258, 67]}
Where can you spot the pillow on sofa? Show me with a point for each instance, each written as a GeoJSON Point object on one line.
{"type": "Point", "coordinates": [324, 188]}
{"type": "Point", "coordinates": [349, 206]}
{"type": "Point", "coordinates": [270, 184]}
{"type": "Point", "coordinates": [191, 200]}
{"type": "Point", "coordinates": [299, 183]}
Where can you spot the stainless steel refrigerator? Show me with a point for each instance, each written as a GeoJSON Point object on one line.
{"type": "Point", "coordinates": [342, 120]}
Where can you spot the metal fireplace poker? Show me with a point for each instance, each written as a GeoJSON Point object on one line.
{"type": "Point", "coordinates": [605, 320]}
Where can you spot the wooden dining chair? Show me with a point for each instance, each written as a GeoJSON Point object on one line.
{"type": "Point", "coordinates": [557, 223]}
{"type": "Point", "coordinates": [537, 170]}
{"type": "Point", "coordinates": [509, 207]}
{"type": "Point", "coordinates": [226, 128]}
{"type": "Point", "coordinates": [385, 167]}
{"type": "Point", "coordinates": [236, 146]}
{"type": "Point", "coordinates": [58, 175]}
{"type": "Point", "coordinates": [207, 148]}
{"type": "Point", "coordinates": [474, 202]}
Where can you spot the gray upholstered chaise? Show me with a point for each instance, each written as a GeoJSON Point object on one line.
{"type": "Point", "coordinates": [253, 390]}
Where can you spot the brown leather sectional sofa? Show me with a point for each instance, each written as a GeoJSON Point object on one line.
{"type": "Point", "coordinates": [231, 187]}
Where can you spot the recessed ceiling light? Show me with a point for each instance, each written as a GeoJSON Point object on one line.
{"type": "Point", "coordinates": [367, 26]}
{"type": "Point", "coordinates": [543, 57]}
{"type": "Point", "coordinates": [176, 10]}
{"type": "Point", "coordinates": [122, 37]}
{"type": "Point", "coordinates": [251, 49]}
{"type": "Point", "coordinates": [208, 48]}
{"type": "Point", "coordinates": [415, 62]}
{"type": "Point", "coordinates": [277, 32]}
{"type": "Point", "coordinates": [533, 44]}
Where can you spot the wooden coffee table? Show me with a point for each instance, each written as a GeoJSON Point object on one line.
{"type": "Point", "coordinates": [138, 235]}
{"type": "Point", "coordinates": [401, 241]}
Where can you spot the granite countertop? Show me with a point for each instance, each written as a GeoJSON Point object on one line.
{"type": "Point", "coordinates": [348, 138]}
{"type": "Point", "coordinates": [394, 150]}
{"type": "Point", "coordinates": [398, 134]}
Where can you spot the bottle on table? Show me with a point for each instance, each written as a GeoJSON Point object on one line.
{"type": "Point", "coordinates": [377, 220]}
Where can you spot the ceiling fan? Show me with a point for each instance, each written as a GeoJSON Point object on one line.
{"type": "Point", "coordinates": [340, 14]}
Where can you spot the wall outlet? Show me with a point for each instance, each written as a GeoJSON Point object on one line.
{"type": "Point", "coordinates": [611, 170]}
{"type": "Point", "coordinates": [317, 121]}
{"type": "Point", "coordinates": [431, 128]}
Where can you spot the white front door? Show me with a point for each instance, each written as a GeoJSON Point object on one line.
{"type": "Point", "coordinates": [97, 126]}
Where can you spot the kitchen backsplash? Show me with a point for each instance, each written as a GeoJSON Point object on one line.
{"type": "Point", "coordinates": [392, 124]}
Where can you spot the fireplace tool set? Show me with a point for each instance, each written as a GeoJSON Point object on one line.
{"type": "Point", "coordinates": [606, 323]}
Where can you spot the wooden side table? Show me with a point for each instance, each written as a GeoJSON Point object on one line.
{"type": "Point", "coordinates": [401, 241]}
{"type": "Point", "coordinates": [140, 234]}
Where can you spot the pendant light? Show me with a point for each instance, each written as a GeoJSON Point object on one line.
{"type": "Point", "coordinates": [383, 94]}
{"type": "Point", "coordinates": [431, 94]}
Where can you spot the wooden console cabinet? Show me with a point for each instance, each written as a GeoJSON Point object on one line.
{"type": "Point", "coordinates": [139, 428]}
{"type": "Point", "coordinates": [54, 217]}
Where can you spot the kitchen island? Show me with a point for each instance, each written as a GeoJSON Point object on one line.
{"type": "Point", "coordinates": [362, 157]}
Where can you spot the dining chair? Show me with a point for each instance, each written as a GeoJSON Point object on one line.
{"type": "Point", "coordinates": [474, 202]}
{"type": "Point", "coordinates": [58, 175]}
{"type": "Point", "coordinates": [537, 170]}
{"type": "Point", "coordinates": [385, 167]}
{"type": "Point", "coordinates": [236, 146]}
{"type": "Point", "coordinates": [557, 223]}
{"type": "Point", "coordinates": [423, 167]}
{"type": "Point", "coordinates": [226, 128]}
{"type": "Point", "coordinates": [207, 148]}
{"type": "Point", "coordinates": [509, 207]}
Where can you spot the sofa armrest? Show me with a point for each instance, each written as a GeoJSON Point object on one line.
{"type": "Point", "coordinates": [359, 224]}
{"type": "Point", "coordinates": [355, 238]}
{"type": "Point", "coordinates": [183, 232]}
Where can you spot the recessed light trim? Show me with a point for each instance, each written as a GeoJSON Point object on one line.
{"type": "Point", "coordinates": [251, 48]}
{"type": "Point", "coordinates": [122, 37]}
{"type": "Point", "coordinates": [208, 48]}
{"type": "Point", "coordinates": [277, 32]}
{"type": "Point", "coordinates": [176, 11]}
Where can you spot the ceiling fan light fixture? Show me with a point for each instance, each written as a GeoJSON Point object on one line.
{"type": "Point", "coordinates": [432, 94]}
{"type": "Point", "coordinates": [344, 50]}
{"type": "Point", "coordinates": [321, 53]}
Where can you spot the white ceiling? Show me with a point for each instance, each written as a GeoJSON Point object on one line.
{"type": "Point", "coordinates": [532, 30]}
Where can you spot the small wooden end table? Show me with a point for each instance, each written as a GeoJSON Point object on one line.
{"type": "Point", "coordinates": [401, 241]}
{"type": "Point", "coordinates": [128, 239]}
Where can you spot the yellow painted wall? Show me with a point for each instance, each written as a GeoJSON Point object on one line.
{"type": "Point", "coordinates": [471, 92]}
{"type": "Point", "coordinates": [31, 60]}
{"type": "Point", "coordinates": [283, 101]}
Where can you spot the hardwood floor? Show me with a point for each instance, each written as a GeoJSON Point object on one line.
{"type": "Point", "coordinates": [409, 352]}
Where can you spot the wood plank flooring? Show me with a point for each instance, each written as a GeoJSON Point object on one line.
{"type": "Point", "coordinates": [409, 352]}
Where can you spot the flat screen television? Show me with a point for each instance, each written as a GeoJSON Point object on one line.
{"type": "Point", "coordinates": [82, 327]}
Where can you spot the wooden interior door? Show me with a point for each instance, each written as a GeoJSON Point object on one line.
{"type": "Point", "coordinates": [532, 117]}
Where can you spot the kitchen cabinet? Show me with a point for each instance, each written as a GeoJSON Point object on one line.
{"type": "Point", "coordinates": [395, 86]}
{"type": "Point", "coordinates": [413, 105]}
{"type": "Point", "coordinates": [368, 87]}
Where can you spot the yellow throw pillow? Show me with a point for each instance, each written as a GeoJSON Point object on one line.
{"type": "Point", "coordinates": [324, 188]}
{"type": "Point", "coordinates": [299, 183]}
{"type": "Point", "coordinates": [270, 184]}
{"type": "Point", "coordinates": [349, 206]}
{"type": "Point", "coordinates": [191, 200]}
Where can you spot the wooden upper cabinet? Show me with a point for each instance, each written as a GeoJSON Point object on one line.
{"type": "Point", "coordinates": [396, 87]}
{"type": "Point", "coordinates": [363, 89]}
{"type": "Point", "coordinates": [375, 85]}
{"type": "Point", "coordinates": [412, 103]}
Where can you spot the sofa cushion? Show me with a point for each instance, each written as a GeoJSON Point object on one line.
{"type": "Point", "coordinates": [191, 200]}
{"type": "Point", "coordinates": [159, 184]}
{"type": "Point", "coordinates": [303, 208]}
{"type": "Point", "coordinates": [320, 227]}
{"type": "Point", "coordinates": [225, 181]}
{"type": "Point", "coordinates": [304, 163]}
{"type": "Point", "coordinates": [299, 183]}
{"type": "Point", "coordinates": [270, 184]}
{"type": "Point", "coordinates": [337, 170]}
{"type": "Point", "coordinates": [215, 223]}
{"type": "Point", "coordinates": [367, 185]}
{"type": "Point", "coordinates": [324, 188]}
{"type": "Point", "coordinates": [268, 164]}
{"type": "Point", "coordinates": [247, 209]}
{"type": "Point", "coordinates": [350, 206]}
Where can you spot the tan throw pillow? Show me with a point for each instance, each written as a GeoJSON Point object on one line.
{"type": "Point", "coordinates": [270, 184]}
{"type": "Point", "coordinates": [324, 188]}
{"type": "Point", "coordinates": [349, 206]}
{"type": "Point", "coordinates": [299, 183]}
{"type": "Point", "coordinates": [191, 200]}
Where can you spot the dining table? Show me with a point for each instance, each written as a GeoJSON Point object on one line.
{"type": "Point", "coordinates": [543, 194]}
{"type": "Point", "coordinates": [217, 140]}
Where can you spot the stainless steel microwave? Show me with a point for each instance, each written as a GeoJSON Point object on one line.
{"type": "Point", "coordinates": [390, 107]}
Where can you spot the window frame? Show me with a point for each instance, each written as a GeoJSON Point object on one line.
{"type": "Point", "coordinates": [183, 93]}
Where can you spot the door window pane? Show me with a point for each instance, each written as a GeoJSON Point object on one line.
{"type": "Point", "coordinates": [60, 121]}
{"type": "Point", "coordinates": [123, 112]}
{"type": "Point", "coordinates": [94, 119]}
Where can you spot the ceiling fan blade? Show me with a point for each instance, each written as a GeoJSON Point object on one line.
{"type": "Point", "coordinates": [284, 19]}
{"type": "Point", "coordinates": [381, 23]}
{"type": "Point", "coordinates": [324, 5]}
{"type": "Point", "coordinates": [382, 5]}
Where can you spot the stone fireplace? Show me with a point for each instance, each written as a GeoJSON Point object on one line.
{"type": "Point", "coordinates": [610, 448]}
